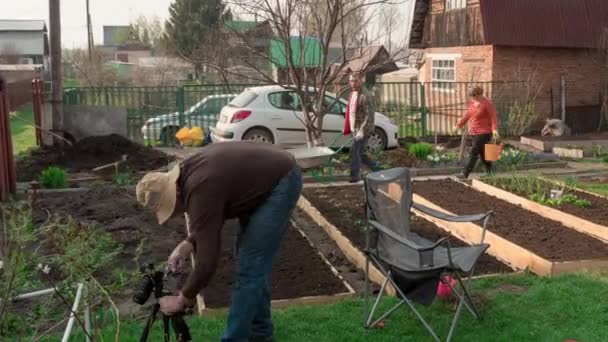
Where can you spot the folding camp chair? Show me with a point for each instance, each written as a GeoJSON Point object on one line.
{"type": "Point", "coordinates": [413, 265]}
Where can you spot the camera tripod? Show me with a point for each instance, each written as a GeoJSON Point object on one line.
{"type": "Point", "coordinates": [182, 333]}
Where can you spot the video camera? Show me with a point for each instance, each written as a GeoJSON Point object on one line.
{"type": "Point", "coordinates": [161, 284]}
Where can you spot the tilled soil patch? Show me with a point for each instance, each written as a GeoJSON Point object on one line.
{"type": "Point", "coordinates": [596, 212]}
{"type": "Point", "coordinates": [90, 153]}
{"type": "Point", "coordinates": [298, 270]}
{"type": "Point", "coordinates": [546, 238]}
{"type": "Point", "coordinates": [344, 207]}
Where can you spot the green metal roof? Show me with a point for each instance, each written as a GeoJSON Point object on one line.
{"type": "Point", "coordinates": [306, 52]}
{"type": "Point", "coordinates": [241, 26]}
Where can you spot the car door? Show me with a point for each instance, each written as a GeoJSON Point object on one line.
{"type": "Point", "coordinates": [333, 121]}
{"type": "Point", "coordinates": [285, 115]}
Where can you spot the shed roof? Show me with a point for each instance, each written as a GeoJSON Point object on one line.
{"type": "Point", "coordinates": [544, 23]}
{"type": "Point", "coordinates": [22, 25]}
{"type": "Point", "coordinates": [307, 47]}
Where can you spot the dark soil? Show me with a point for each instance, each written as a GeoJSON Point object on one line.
{"type": "Point", "coordinates": [546, 238]}
{"type": "Point", "coordinates": [90, 153]}
{"type": "Point", "coordinates": [397, 157]}
{"type": "Point", "coordinates": [597, 212]}
{"type": "Point", "coordinates": [344, 208]}
{"type": "Point", "coordinates": [299, 271]}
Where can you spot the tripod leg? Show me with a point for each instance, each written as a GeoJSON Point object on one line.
{"type": "Point", "coordinates": [180, 327]}
{"type": "Point", "coordinates": [166, 328]}
{"type": "Point", "coordinates": [149, 323]}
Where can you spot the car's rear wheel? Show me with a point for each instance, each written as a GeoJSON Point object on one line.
{"type": "Point", "coordinates": [167, 136]}
{"type": "Point", "coordinates": [258, 135]}
{"type": "Point", "coordinates": [377, 141]}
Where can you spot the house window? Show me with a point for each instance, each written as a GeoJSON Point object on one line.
{"type": "Point", "coordinates": [443, 74]}
{"type": "Point", "coordinates": [455, 4]}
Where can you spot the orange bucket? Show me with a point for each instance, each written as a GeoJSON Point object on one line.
{"type": "Point", "coordinates": [492, 152]}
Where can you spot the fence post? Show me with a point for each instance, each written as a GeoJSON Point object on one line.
{"type": "Point", "coordinates": [423, 112]}
{"type": "Point", "coordinates": [180, 105]}
{"type": "Point", "coordinates": [7, 167]}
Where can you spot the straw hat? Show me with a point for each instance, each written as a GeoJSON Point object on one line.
{"type": "Point", "coordinates": [158, 191]}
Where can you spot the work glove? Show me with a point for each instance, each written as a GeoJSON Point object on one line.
{"type": "Point", "coordinates": [359, 136]}
{"type": "Point", "coordinates": [495, 135]}
{"type": "Point", "coordinates": [177, 259]}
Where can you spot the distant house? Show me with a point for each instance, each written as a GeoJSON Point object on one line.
{"type": "Point", "coordinates": [111, 34]}
{"type": "Point", "coordinates": [370, 61]}
{"type": "Point", "coordinates": [306, 56]}
{"type": "Point", "coordinates": [26, 41]}
{"type": "Point", "coordinates": [534, 41]}
{"type": "Point", "coordinates": [245, 35]}
{"type": "Point", "coordinates": [131, 52]}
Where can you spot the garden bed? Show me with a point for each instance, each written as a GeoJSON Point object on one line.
{"type": "Point", "coordinates": [442, 163]}
{"type": "Point", "coordinates": [90, 153]}
{"type": "Point", "coordinates": [344, 207]}
{"type": "Point", "coordinates": [545, 242]}
{"type": "Point", "coordinates": [584, 211]}
{"type": "Point", "coordinates": [546, 143]}
{"type": "Point", "coordinates": [299, 270]}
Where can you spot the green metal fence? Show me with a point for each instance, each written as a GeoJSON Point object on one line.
{"type": "Point", "coordinates": [154, 114]}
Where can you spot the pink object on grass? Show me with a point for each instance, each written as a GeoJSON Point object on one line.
{"type": "Point", "coordinates": [443, 290]}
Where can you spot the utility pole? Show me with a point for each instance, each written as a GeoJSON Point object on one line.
{"type": "Point", "coordinates": [89, 32]}
{"type": "Point", "coordinates": [56, 75]}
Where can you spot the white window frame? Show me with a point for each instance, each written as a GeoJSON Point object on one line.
{"type": "Point", "coordinates": [446, 86]}
{"type": "Point", "coordinates": [451, 5]}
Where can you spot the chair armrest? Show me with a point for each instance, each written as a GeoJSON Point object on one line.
{"type": "Point", "coordinates": [394, 235]}
{"type": "Point", "coordinates": [450, 218]}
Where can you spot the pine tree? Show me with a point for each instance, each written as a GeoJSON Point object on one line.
{"type": "Point", "coordinates": [190, 22]}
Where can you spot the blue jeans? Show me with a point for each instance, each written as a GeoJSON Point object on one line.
{"type": "Point", "coordinates": [258, 244]}
{"type": "Point", "coordinates": [358, 155]}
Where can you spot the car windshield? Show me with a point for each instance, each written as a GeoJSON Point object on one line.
{"type": "Point", "coordinates": [244, 99]}
{"type": "Point", "coordinates": [199, 105]}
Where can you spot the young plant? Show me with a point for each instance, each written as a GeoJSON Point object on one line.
{"type": "Point", "coordinates": [421, 150]}
{"type": "Point", "coordinates": [54, 178]}
{"type": "Point", "coordinates": [438, 158]}
{"type": "Point", "coordinates": [123, 179]}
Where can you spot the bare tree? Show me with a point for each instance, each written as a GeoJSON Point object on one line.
{"type": "Point", "coordinates": [303, 32]}
{"type": "Point", "coordinates": [90, 72]}
{"type": "Point", "coordinates": [602, 61]}
{"type": "Point", "coordinates": [389, 21]}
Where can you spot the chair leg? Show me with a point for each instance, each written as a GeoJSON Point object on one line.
{"type": "Point", "coordinates": [373, 311]}
{"type": "Point", "coordinates": [455, 320]}
{"type": "Point", "coordinates": [404, 300]}
{"type": "Point", "coordinates": [464, 296]}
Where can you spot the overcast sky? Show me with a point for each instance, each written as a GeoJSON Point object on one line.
{"type": "Point", "coordinates": [105, 12]}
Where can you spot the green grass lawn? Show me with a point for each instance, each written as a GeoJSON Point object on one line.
{"type": "Point", "coordinates": [516, 308]}
{"type": "Point", "coordinates": [24, 135]}
{"type": "Point", "coordinates": [600, 189]}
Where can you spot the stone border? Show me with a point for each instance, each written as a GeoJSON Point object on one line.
{"type": "Point", "coordinates": [506, 251]}
{"type": "Point", "coordinates": [581, 225]}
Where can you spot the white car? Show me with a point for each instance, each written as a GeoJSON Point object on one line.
{"type": "Point", "coordinates": [203, 114]}
{"type": "Point", "coordinates": [273, 114]}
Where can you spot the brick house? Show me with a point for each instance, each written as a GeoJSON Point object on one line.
{"type": "Point", "coordinates": [534, 41]}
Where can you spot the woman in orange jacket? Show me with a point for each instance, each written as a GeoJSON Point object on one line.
{"type": "Point", "coordinates": [483, 125]}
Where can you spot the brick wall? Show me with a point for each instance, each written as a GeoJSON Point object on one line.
{"type": "Point", "coordinates": [471, 64]}
{"type": "Point", "coordinates": [542, 69]}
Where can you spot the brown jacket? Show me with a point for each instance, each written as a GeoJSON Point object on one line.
{"type": "Point", "coordinates": [365, 113]}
